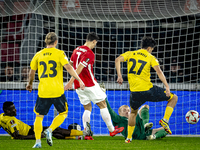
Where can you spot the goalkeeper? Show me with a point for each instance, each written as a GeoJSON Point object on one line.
{"type": "Point", "coordinates": [19, 130]}
{"type": "Point", "coordinates": [143, 129]}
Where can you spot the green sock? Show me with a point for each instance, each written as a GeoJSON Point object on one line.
{"type": "Point", "coordinates": [145, 115]}
{"type": "Point", "coordinates": [160, 134]}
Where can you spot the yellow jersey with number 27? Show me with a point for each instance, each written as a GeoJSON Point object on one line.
{"type": "Point", "coordinates": [50, 62]}
{"type": "Point", "coordinates": [139, 64]}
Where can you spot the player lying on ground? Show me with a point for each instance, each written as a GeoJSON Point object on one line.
{"type": "Point", "coordinates": [19, 130]}
{"type": "Point", "coordinates": [143, 129]}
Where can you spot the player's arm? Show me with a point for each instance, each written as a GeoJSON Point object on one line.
{"type": "Point", "coordinates": [74, 75]}
{"type": "Point", "coordinates": [162, 78]}
{"type": "Point", "coordinates": [30, 80]}
{"type": "Point", "coordinates": [118, 60]}
{"type": "Point", "coordinates": [71, 63]}
{"type": "Point", "coordinates": [114, 116]}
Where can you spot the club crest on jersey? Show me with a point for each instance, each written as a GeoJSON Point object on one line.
{"type": "Point", "coordinates": [87, 60]}
{"type": "Point", "coordinates": [12, 122]}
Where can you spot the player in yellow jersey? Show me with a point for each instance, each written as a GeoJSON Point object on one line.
{"type": "Point", "coordinates": [139, 64]}
{"type": "Point", "coordinates": [20, 130]}
{"type": "Point", "coordinates": [50, 62]}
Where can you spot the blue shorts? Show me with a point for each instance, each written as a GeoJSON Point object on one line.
{"type": "Point", "coordinates": [155, 94]}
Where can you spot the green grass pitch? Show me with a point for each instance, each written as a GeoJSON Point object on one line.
{"type": "Point", "coordinates": [104, 143]}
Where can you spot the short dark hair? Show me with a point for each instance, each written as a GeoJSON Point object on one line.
{"type": "Point", "coordinates": [6, 105]}
{"type": "Point", "coordinates": [148, 41]}
{"type": "Point", "coordinates": [92, 36]}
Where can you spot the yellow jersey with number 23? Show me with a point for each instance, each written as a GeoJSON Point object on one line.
{"type": "Point", "coordinates": [139, 64]}
{"type": "Point", "coordinates": [50, 62]}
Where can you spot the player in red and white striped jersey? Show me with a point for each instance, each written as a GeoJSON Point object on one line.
{"type": "Point", "coordinates": [82, 60]}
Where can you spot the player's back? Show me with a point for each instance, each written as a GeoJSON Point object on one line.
{"type": "Point", "coordinates": [139, 65]}
{"type": "Point", "coordinates": [50, 62]}
{"type": "Point", "coordinates": [85, 56]}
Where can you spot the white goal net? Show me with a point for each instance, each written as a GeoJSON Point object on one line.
{"type": "Point", "coordinates": [120, 24]}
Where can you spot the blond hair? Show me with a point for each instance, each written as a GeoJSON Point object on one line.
{"type": "Point", "coordinates": [120, 108]}
{"type": "Point", "coordinates": [50, 39]}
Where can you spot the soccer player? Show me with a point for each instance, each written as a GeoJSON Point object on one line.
{"type": "Point", "coordinates": [82, 60]}
{"type": "Point", "coordinates": [143, 129]}
{"type": "Point", "coordinates": [139, 64]}
{"type": "Point", "coordinates": [49, 62]}
{"type": "Point", "coordinates": [20, 130]}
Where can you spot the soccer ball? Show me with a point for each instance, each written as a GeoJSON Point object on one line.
{"type": "Point", "coordinates": [192, 117]}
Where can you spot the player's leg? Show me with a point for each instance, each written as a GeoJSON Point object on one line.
{"type": "Point", "coordinates": [170, 107]}
{"type": "Point", "coordinates": [86, 102]}
{"type": "Point", "coordinates": [61, 133]}
{"type": "Point", "coordinates": [107, 118]}
{"type": "Point", "coordinates": [144, 115]}
{"type": "Point", "coordinates": [157, 95]}
{"type": "Point", "coordinates": [97, 96]}
{"type": "Point", "coordinates": [157, 133]}
{"type": "Point", "coordinates": [131, 124]}
{"type": "Point", "coordinates": [136, 100]}
{"type": "Point", "coordinates": [86, 114]}
{"type": "Point", "coordinates": [168, 112]}
{"type": "Point", "coordinates": [61, 105]}
{"type": "Point", "coordinates": [41, 108]}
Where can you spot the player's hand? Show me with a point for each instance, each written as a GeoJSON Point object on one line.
{"type": "Point", "coordinates": [82, 85]}
{"type": "Point", "coordinates": [29, 87]}
{"type": "Point", "coordinates": [120, 80]}
{"type": "Point", "coordinates": [167, 92]}
{"type": "Point", "coordinates": [68, 86]}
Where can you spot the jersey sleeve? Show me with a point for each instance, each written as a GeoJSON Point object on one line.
{"type": "Point", "coordinates": [114, 116]}
{"type": "Point", "coordinates": [63, 58]}
{"type": "Point", "coordinates": [34, 62]}
{"type": "Point", "coordinates": [87, 59]}
{"type": "Point", "coordinates": [12, 126]}
{"type": "Point", "coordinates": [154, 62]}
{"type": "Point", "coordinates": [126, 55]}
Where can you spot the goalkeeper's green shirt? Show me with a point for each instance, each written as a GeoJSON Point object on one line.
{"type": "Point", "coordinates": [139, 132]}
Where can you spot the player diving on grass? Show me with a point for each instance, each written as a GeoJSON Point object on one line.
{"type": "Point", "coordinates": [82, 60]}
{"type": "Point", "coordinates": [142, 130]}
{"type": "Point", "coordinates": [20, 130]}
{"type": "Point", "coordinates": [139, 64]}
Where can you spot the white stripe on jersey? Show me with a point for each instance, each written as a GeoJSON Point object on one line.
{"type": "Point", "coordinates": [89, 68]}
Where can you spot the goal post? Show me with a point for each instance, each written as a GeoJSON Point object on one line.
{"type": "Point", "coordinates": [175, 26]}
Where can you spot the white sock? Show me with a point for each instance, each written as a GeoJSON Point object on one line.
{"type": "Point", "coordinates": [50, 130]}
{"type": "Point", "coordinates": [86, 117]}
{"type": "Point", "coordinates": [38, 141]}
{"type": "Point", "coordinates": [107, 119]}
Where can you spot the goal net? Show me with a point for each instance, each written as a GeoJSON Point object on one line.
{"type": "Point", "coordinates": [120, 24]}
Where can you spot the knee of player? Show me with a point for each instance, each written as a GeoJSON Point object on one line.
{"type": "Point", "coordinates": [175, 98]}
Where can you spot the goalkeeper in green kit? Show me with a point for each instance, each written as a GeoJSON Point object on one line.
{"type": "Point", "coordinates": [143, 129]}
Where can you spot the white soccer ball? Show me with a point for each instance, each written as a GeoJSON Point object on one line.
{"type": "Point", "coordinates": [192, 117]}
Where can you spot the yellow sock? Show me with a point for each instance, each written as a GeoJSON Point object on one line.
{"type": "Point", "coordinates": [57, 121]}
{"type": "Point", "coordinates": [76, 133]}
{"type": "Point", "coordinates": [168, 112]}
{"type": "Point", "coordinates": [70, 137]}
{"type": "Point", "coordinates": [130, 131]}
{"type": "Point", "coordinates": [38, 127]}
